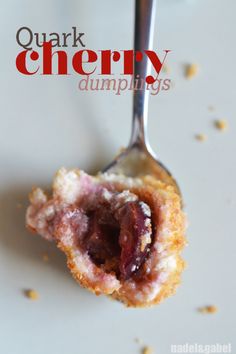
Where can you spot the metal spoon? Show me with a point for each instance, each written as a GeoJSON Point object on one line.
{"type": "Point", "coordinates": [138, 158]}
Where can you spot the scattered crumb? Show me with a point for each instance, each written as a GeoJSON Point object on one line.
{"type": "Point", "coordinates": [208, 309]}
{"type": "Point", "coordinates": [191, 70]}
{"type": "Point", "coordinates": [211, 108]}
{"type": "Point", "coordinates": [166, 69]}
{"type": "Point", "coordinates": [19, 205]}
{"type": "Point", "coordinates": [221, 124]}
{"type": "Point", "coordinates": [201, 137]}
{"type": "Point", "coordinates": [31, 294]}
{"type": "Point", "coordinates": [45, 257]}
{"type": "Point", "coordinates": [147, 350]}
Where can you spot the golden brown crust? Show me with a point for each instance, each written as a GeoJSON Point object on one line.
{"type": "Point", "coordinates": [84, 281]}
{"type": "Point", "coordinates": [167, 289]}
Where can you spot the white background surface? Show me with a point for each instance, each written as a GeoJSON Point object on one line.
{"type": "Point", "coordinates": [47, 123]}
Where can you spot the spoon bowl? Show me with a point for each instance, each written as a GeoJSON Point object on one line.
{"type": "Point", "coordinates": [135, 161]}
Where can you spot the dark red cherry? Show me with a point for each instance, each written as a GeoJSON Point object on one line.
{"type": "Point", "coordinates": [135, 237]}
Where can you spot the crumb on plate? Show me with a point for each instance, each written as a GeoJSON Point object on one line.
{"type": "Point", "coordinates": [221, 124]}
{"type": "Point", "coordinates": [191, 70]}
{"type": "Point", "coordinates": [208, 309]}
{"type": "Point", "coordinates": [31, 294]}
{"type": "Point", "coordinates": [201, 137]}
{"type": "Point", "coordinates": [147, 350]}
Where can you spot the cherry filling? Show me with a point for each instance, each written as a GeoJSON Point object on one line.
{"type": "Point", "coordinates": [119, 241]}
{"type": "Point", "coordinates": [101, 240]}
{"type": "Point", "coordinates": [117, 238]}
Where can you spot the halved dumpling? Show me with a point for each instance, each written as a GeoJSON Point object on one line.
{"type": "Point", "coordinates": [122, 236]}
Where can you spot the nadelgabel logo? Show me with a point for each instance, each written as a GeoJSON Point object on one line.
{"type": "Point", "coordinates": [97, 68]}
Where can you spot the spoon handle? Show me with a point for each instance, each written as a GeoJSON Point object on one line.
{"type": "Point", "coordinates": [143, 40]}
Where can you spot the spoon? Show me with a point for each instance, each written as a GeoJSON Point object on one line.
{"type": "Point", "coordinates": [138, 158]}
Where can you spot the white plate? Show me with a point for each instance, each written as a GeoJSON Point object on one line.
{"type": "Point", "coordinates": [47, 123]}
